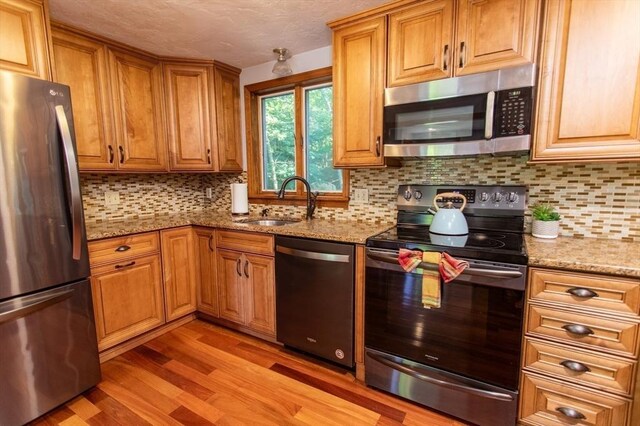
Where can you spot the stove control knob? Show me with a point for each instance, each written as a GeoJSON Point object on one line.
{"type": "Point", "coordinates": [497, 197]}
{"type": "Point", "coordinates": [407, 195]}
{"type": "Point", "coordinates": [417, 195]}
{"type": "Point", "coordinates": [512, 197]}
{"type": "Point", "coordinates": [484, 197]}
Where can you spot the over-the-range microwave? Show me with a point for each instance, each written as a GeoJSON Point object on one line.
{"type": "Point", "coordinates": [485, 113]}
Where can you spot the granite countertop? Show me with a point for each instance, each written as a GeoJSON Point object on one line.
{"type": "Point", "coordinates": [603, 256]}
{"type": "Point", "coordinates": [324, 229]}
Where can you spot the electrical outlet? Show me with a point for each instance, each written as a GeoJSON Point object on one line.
{"type": "Point", "coordinates": [208, 193]}
{"type": "Point", "coordinates": [111, 198]}
{"type": "Point", "coordinates": [361, 195]}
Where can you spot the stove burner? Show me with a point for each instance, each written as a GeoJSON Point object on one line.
{"type": "Point", "coordinates": [486, 240]}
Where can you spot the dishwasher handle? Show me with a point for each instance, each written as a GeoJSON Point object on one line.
{"type": "Point", "coordinates": [313, 255]}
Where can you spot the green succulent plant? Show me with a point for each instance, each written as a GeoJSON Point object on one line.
{"type": "Point", "coordinates": [544, 212]}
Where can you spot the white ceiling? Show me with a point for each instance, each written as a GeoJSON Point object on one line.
{"type": "Point", "coordinates": [242, 33]}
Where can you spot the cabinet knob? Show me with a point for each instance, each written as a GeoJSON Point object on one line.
{"type": "Point", "coordinates": [576, 366]}
{"type": "Point", "coordinates": [572, 413]}
{"type": "Point", "coordinates": [580, 330]}
{"type": "Point", "coordinates": [582, 292]}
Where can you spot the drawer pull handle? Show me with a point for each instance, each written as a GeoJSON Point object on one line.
{"type": "Point", "coordinates": [123, 248]}
{"type": "Point", "coordinates": [571, 413]}
{"type": "Point", "coordinates": [126, 265]}
{"type": "Point", "coordinates": [581, 330]}
{"type": "Point", "coordinates": [582, 292]}
{"type": "Point", "coordinates": [575, 366]}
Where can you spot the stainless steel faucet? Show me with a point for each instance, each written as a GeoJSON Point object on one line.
{"type": "Point", "coordinates": [311, 196]}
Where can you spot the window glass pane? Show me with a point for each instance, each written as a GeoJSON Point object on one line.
{"type": "Point", "coordinates": [319, 140]}
{"type": "Point", "coordinates": [278, 140]}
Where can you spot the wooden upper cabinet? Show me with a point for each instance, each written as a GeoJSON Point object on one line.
{"type": "Point", "coordinates": [189, 116]}
{"type": "Point", "coordinates": [82, 65]}
{"type": "Point", "coordinates": [589, 82]}
{"type": "Point", "coordinates": [24, 38]}
{"type": "Point", "coordinates": [136, 85]}
{"type": "Point", "coordinates": [493, 34]}
{"type": "Point", "coordinates": [227, 106]}
{"type": "Point", "coordinates": [358, 87]}
{"type": "Point", "coordinates": [420, 43]}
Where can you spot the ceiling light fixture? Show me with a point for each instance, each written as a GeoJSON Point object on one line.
{"type": "Point", "coordinates": [281, 67]}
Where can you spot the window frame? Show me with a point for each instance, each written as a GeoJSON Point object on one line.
{"type": "Point", "coordinates": [252, 93]}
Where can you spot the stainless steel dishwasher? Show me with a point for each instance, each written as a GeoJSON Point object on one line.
{"type": "Point", "coordinates": [315, 297]}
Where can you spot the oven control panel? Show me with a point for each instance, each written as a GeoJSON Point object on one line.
{"type": "Point", "coordinates": [506, 200]}
{"type": "Point", "coordinates": [513, 112]}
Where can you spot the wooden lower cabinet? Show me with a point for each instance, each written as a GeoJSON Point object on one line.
{"type": "Point", "coordinates": [580, 355]}
{"type": "Point", "coordinates": [207, 285]}
{"type": "Point", "coordinates": [260, 293]}
{"type": "Point", "coordinates": [246, 280]}
{"type": "Point", "coordinates": [179, 266]}
{"type": "Point", "coordinates": [551, 402]}
{"type": "Point", "coordinates": [230, 285]}
{"type": "Point", "coordinates": [127, 299]}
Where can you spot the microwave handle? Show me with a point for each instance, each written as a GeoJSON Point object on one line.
{"type": "Point", "coordinates": [488, 121]}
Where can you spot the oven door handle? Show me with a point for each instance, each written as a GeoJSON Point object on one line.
{"type": "Point", "coordinates": [476, 272]}
{"type": "Point", "coordinates": [451, 385]}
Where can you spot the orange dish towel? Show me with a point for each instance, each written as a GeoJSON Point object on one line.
{"type": "Point", "coordinates": [448, 269]}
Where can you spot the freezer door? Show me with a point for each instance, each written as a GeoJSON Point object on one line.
{"type": "Point", "coordinates": [42, 238]}
{"type": "Point", "coordinates": [49, 351]}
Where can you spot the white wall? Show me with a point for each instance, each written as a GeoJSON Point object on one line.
{"type": "Point", "coordinates": [302, 62]}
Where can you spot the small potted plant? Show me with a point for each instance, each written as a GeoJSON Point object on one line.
{"type": "Point", "coordinates": [546, 221]}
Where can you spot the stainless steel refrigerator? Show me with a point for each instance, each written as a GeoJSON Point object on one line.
{"type": "Point", "coordinates": [48, 347]}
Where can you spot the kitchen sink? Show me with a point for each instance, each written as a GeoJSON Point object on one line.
{"type": "Point", "coordinates": [269, 222]}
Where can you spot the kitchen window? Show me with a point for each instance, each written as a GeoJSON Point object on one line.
{"type": "Point", "coordinates": [290, 132]}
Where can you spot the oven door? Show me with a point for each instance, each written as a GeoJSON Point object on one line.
{"type": "Point", "coordinates": [476, 333]}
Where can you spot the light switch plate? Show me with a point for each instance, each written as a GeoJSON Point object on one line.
{"type": "Point", "coordinates": [111, 198]}
{"type": "Point", "coordinates": [361, 195]}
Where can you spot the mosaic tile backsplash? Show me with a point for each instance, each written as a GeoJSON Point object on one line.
{"type": "Point", "coordinates": [595, 200]}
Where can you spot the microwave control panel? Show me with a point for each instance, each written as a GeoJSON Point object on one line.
{"type": "Point", "coordinates": [513, 112]}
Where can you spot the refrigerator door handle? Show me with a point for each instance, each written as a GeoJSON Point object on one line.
{"type": "Point", "coordinates": [74, 182]}
{"type": "Point", "coordinates": [35, 305]}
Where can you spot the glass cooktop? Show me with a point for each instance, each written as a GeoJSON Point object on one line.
{"type": "Point", "coordinates": [478, 244]}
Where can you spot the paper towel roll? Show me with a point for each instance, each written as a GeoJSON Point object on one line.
{"type": "Point", "coordinates": [239, 198]}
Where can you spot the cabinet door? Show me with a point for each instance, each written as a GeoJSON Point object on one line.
{"type": "Point", "coordinates": [24, 47]}
{"type": "Point", "coordinates": [227, 88]}
{"type": "Point", "coordinates": [494, 34]}
{"type": "Point", "coordinates": [136, 84]}
{"type": "Point", "coordinates": [82, 65]}
{"type": "Point", "coordinates": [179, 266]}
{"type": "Point", "coordinates": [230, 283]}
{"type": "Point", "coordinates": [589, 84]}
{"type": "Point", "coordinates": [358, 86]}
{"type": "Point", "coordinates": [207, 288]}
{"type": "Point", "coordinates": [189, 116]}
{"type": "Point", "coordinates": [259, 272]}
{"type": "Point", "coordinates": [420, 43]}
{"type": "Point", "coordinates": [127, 299]}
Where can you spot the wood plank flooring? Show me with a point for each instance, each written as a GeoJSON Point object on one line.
{"type": "Point", "coordinates": [201, 374]}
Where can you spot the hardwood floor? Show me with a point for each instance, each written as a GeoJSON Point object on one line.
{"type": "Point", "coordinates": [202, 374]}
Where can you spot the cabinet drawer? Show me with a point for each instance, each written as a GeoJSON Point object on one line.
{"type": "Point", "coordinates": [589, 291]}
{"type": "Point", "coordinates": [617, 336]}
{"type": "Point", "coordinates": [250, 242]}
{"type": "Point", "coordinates": [543, 402]}
{"type": "Point", "coordinates": [582, 367]}
{"type": "Point", "coordinates": [122, 248]}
